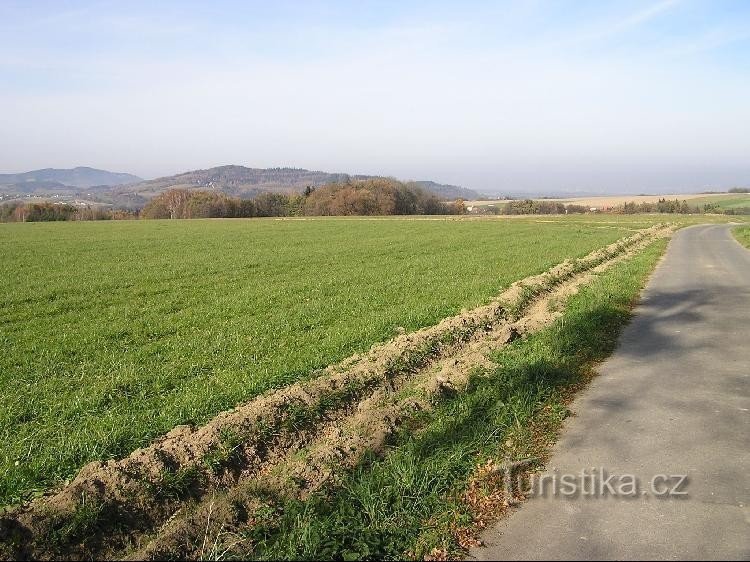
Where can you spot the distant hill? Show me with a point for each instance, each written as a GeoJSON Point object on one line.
{"type": "Point", "coordinates": [56, 180]}
{"type": "Point", "coordinates": [447, 191]}
{"type": "Point", "coordinates": [129, 191]}
{"type": "Point", "coordinates": [249, 182]}
{"type": "Point", "coordinates": [235, 180]}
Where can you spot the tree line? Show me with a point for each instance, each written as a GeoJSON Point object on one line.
{"type": "Point", "coordinates": [533, 207]}
{"type": "Point", "coordinates": [363, 197]}
{"type": "Point", "coordinates": [676, 206]}
{"type": "Point", "coordinates": [360, 197]}
{"type": "Point", "coordinates": [368, 197]}
{"type": "Point", "coordinates": [19, 211]}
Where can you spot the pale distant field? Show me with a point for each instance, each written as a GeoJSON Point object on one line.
{"type": "Point", "coordinates": [604, 202]}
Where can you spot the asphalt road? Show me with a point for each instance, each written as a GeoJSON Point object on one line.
{"type": "Point", "coordinates": [673, 399]}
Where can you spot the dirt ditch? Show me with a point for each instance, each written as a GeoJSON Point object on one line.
{"type": "Point", "coordinates": [189, 493]}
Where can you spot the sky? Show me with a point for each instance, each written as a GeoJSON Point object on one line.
{"type": "Point", "coordinates": [509, 96]}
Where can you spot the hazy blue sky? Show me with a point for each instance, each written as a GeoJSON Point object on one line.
{"type": "Point", "coordinates": [500, 96]}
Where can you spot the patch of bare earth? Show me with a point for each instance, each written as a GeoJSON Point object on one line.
{"type": "Point", "coordinates": [192, 492]}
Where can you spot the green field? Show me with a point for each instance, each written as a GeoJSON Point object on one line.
{"type": "Point", "coordinates": [410, 503]}
{"type": "Point", "coordinates": [115, 332]}
{"type": "Point", "coordinates": [727, 201]}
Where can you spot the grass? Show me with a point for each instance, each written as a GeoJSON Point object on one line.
{"type": "Point", "coordinates": [409, 503]}
{"type": "Point", "coordinates": [84, 522]}
{"type": "Point", "coordinates": [175, 484]}
{"type": "Point", "coordinates": [726, 201]}
{"type": "Point", "coordinates": [742, 234]}
{"type": "Point", "coordinates": [113, 333]}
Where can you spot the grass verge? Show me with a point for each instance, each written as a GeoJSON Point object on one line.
{"type": "Point", "coordinates": [742, 234]}
{"type": "Point", "coordinates": [414, 501]}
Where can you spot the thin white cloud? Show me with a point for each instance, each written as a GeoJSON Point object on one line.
{"type": "Point", "coordinates": [713, 39]}
{"type": "Point", "coordinates": [627, 23]}
{"type": "Point", "coordinates": [647, 13]}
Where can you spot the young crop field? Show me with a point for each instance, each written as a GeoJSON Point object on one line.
{"type": "Point", "coordinates": [117, 333]}
{"type": "Point", "coordinates": [113, 333]}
